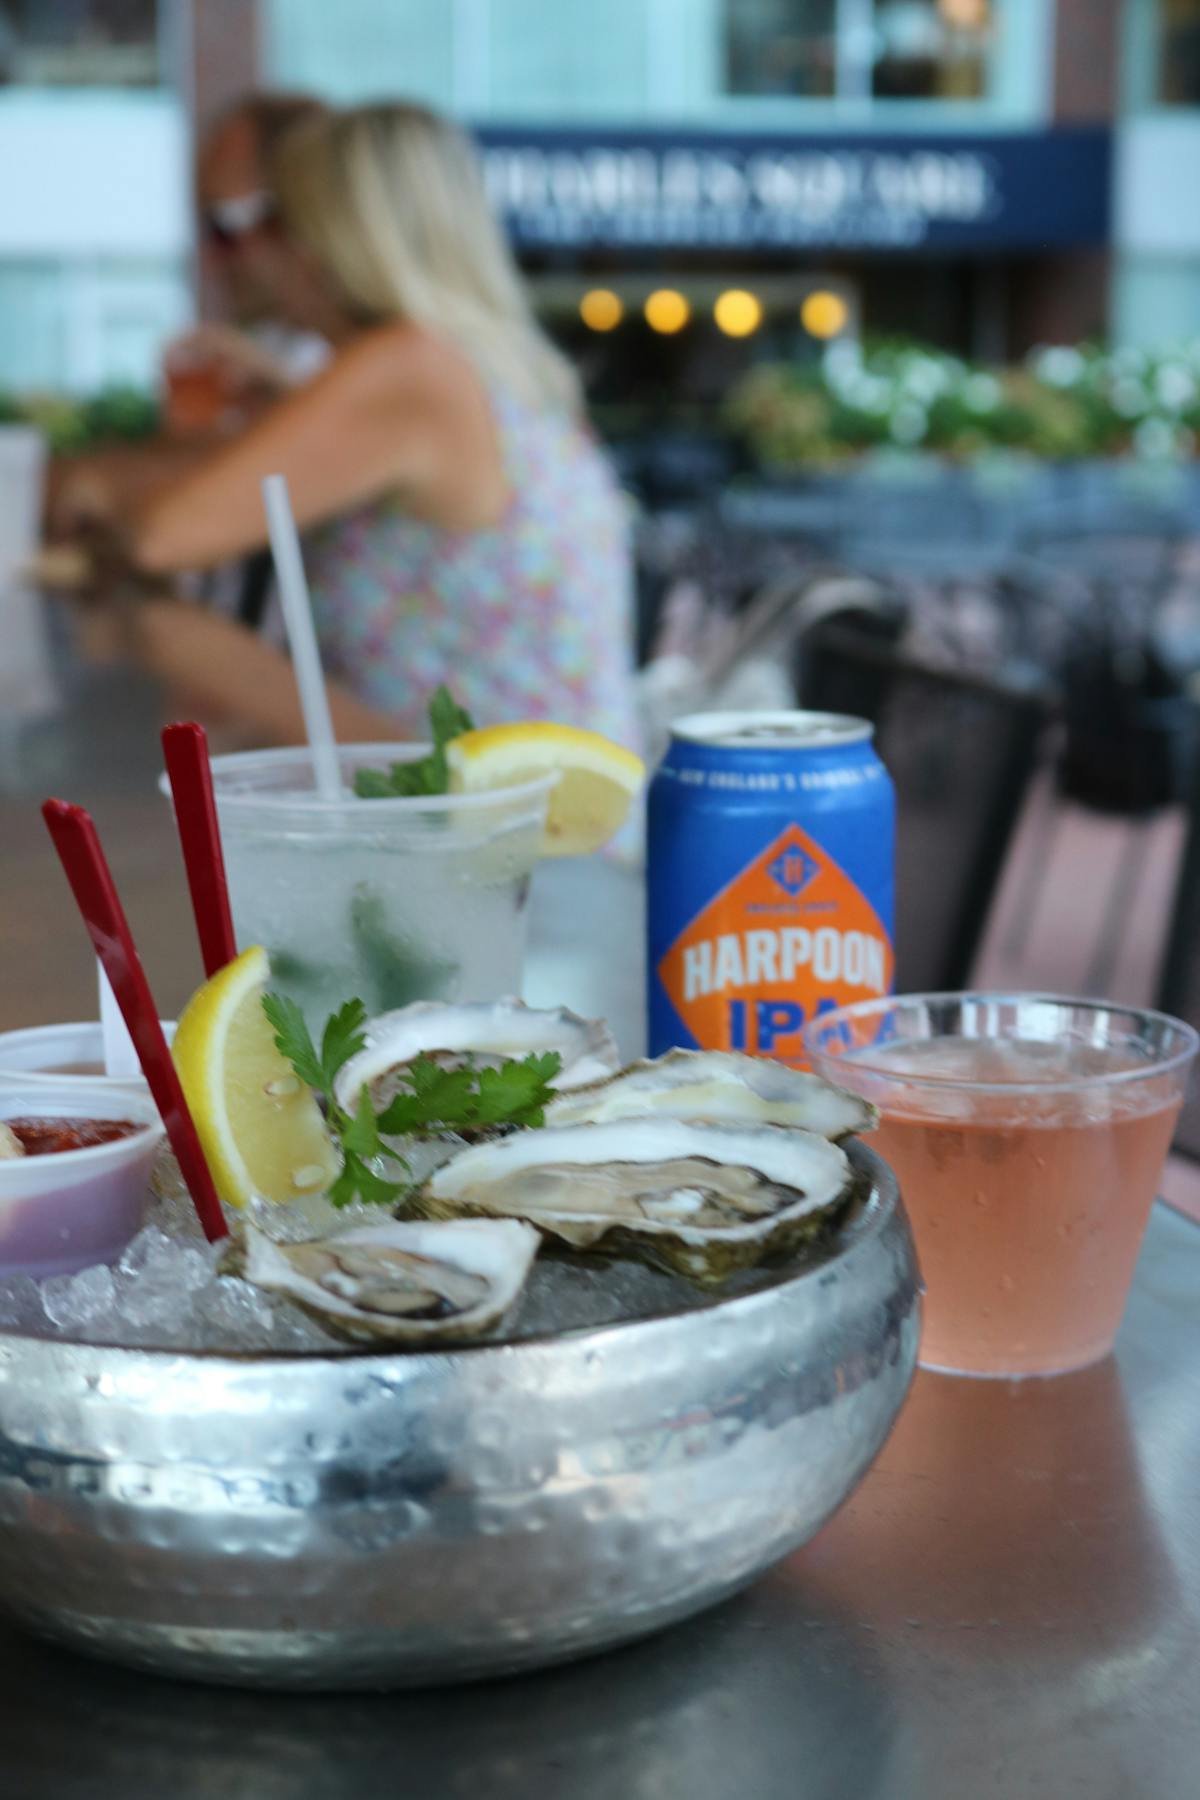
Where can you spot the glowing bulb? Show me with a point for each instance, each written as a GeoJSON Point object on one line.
{"type": "Point", "coordinates": [666, 311]}
{"type": "Point", "coordinates": [964, 15]}
{"type": "Point", "coordinates": [738, 313]}
{"type": "Point", "coordinates": [601, 309]}
{"type": "Point", "coordinates": [823, 314]}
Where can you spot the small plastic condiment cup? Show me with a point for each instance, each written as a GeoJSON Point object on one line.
{"type": "Point", "coordinates": [64, 1054]}
{"type": "Point", "coordinates": [68, 1209]}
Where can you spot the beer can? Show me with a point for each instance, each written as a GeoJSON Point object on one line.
{"type": "Point", "coordinates": [770, 879]}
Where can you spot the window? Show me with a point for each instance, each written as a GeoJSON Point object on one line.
{"type": "Point", "coordinates": [924, 51]}
{"type": "Point", "coordinates": [782, 47]}
{"type": "Point", "coordinates": [890, 49]}
{"type": "Point", "coordinates": [79, 43]}
{"type": "Point", "coordinates": [1179, 52]}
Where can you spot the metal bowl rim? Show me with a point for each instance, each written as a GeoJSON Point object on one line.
{"type": "Point", "coordinates": [878, 1211]}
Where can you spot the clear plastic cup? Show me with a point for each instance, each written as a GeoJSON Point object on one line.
{"type": "Point", "coordinates": [387, 900]}
{"type": "Point", "coordinates": [22, 464]}
{"type": "Point", "coordinates": [73, 1208]}
{"type": "Point", "coordinates": [1028, 1134]}
{"type": "Point", "coordinates": [64, 1053]}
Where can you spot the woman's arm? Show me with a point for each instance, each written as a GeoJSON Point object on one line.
{"type": "Point", "coordinates": [115, 481]}
{"type": "Point", "coordinates": [219, 671]}
{"type": "Point", "coordinates": [374, 421]}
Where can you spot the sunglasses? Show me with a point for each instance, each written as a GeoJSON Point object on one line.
{"type": "Point", "coordinates": [227, 222]}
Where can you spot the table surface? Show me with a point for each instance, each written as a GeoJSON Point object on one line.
{"type": "Point", "coordinates": [1008, 1606]}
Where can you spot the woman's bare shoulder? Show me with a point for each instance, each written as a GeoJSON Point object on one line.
{"type": "Point", "coordinates": [403, 359]}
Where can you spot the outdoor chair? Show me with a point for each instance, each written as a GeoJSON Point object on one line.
{"type": "Point", "coordinates": [1123, 546]}
{"type": "Point", "coordinates": [1179, 986]}
{"type": "Point", "coordinates": [930, 529]}
{"type": "Point", "coordinates": [961, 751]}
{"type": "Point", "coordinates": [1108, 608]}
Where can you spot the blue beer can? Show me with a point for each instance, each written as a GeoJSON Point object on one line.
{"type": "Point", "coordinates": [770, 879]}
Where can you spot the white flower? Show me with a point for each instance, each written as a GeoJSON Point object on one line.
{"type": "Point", "coordinates": [1155, 439]}
{"type": "Point", "coordinates": [842, 359]}
{"type": "Point", "coordinates": [868, 393]}
{"type": "Point", "coordinates": [909, 423]}
{"type": "Point", "coordinates": [1129, 398]}
{"type": "Point", "coordinates": [876, 396]}
{"type": "Point", "coordinates": [923, 379]}
{"type": "Point", "coordinates": [981, 393]}
{"type": "Point", "coordinates": [1175, 386]}
{"type": "Point", "coordinates": [1060, 365]}
{"type": "Point", "coordinates": [1129, 361]}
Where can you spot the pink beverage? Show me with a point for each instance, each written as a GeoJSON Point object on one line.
{"type": "Point", "coordinates": [1028, 1137]}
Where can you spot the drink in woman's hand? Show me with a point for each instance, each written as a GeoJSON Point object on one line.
{"type": "Point", "coordinates": [1028, 1208]}
{"type": "Point", "coordinates": [1028, 1136]}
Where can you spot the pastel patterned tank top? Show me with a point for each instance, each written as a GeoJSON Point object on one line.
{"type": "Point", "coordinates": [527, 619]}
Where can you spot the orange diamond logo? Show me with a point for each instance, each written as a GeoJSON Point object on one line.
{"type": "Point", "coordinates": [789, 937]}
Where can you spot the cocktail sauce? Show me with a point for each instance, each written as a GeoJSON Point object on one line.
{"type": "Point", "coordinates": [45, 1137]}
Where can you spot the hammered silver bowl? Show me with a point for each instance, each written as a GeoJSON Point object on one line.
{"type": "Point", "coordinates": [380, 1521]}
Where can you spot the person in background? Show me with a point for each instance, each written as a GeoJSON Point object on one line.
{"type": "Point", "coordinates": [462, 523]}
{"type": "Point", "coordinates": [215, 376]}
{"type": "Point", "coordinates": [254, 355]}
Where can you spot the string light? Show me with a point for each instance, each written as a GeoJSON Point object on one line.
{"type": "Point", "coordinates": [601, 309]}
{"type": "Point", "coordinates": [738, 313]}
{"type": "Point", "coordinates": [666, 311]}
{"type": "Point", "coordinates": [824, 314]}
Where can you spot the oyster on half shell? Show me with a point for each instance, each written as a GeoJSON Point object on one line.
{"type": "Point", "coordinates": [402, 1282]}
{"type": "Point", "coordinates": [700, 1200]}
{"type": "Point", "coordinates": [483, 1033]}
{"type": "Point", "coordinates": [717, 1087]}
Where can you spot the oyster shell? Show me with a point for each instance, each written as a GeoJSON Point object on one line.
{"type": "Point", "coordinates": [701, 1200]}
{"type": "Point", "coordinates": [403, 1282]}
{"type": "Point", "coordinates": [717, 1087]}
{"type": "Point", "coordinates": [487, 1033]}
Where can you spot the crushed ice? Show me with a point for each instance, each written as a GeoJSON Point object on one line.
{"type": "Point", "coordinates": [164, 1292]}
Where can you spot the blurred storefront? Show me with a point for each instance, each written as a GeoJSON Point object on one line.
{"type": "Point", "coordinates": [689, 181]}
{"type": "Point", "coordinates": [902, 160]}
{"type": "Point", "coordinates": [94, 190]}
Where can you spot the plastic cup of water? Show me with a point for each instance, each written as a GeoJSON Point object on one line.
{"type": "Point", "coordinates": [389, 900]}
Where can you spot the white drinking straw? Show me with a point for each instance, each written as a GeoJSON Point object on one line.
{"type": "Point", "coordinates": [297, 618]}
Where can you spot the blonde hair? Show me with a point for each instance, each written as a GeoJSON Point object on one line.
{"type": "Point", "coordinates": [390, 200]}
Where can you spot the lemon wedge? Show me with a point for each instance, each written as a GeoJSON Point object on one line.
{"type": "Point", "coordinates": [259, 1126]}
{"type": "Point", "coordinates": [597, 778]}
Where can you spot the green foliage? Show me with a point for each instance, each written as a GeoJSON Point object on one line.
{"type": "Point", "coordinates": [1063, 403]}
{"type": "Point", "coordinates": [118, 414]}
{"type": "Point", "coordinates": [429, 774]}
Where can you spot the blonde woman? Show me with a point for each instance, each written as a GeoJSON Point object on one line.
{"type": "Point", "coordinates": [461, 523]}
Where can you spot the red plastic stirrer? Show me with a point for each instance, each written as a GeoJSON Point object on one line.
{"type": "Point", "coordinates": [186, 750]}
{"type": "Point", "coordinates": [91, 882]}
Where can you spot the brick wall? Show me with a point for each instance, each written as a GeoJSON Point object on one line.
{"type": "Point", "coordinates": [225, 55]}
{"type": "Point", "coordinates": [1086, 47]}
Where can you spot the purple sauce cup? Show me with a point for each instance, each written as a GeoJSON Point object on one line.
{"type": "Point", "coordinates": [67, 1209]}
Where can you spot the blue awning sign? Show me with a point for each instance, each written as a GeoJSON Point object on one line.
{"type": "Point", "coordinates": [621, 189]}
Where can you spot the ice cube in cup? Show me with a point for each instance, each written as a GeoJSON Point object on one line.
{"type": "Point", "coordinates": [64, 1210]}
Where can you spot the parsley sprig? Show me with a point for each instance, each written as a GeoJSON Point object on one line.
{"type": "Point", "coordinates": [436, 1099]}
{"type": "Point", "coordinates": [358, 1132]}
{"type": "Point", "coordinates": [470, 1099]}
{"type": "Point", "coordinates": [429, 774]}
